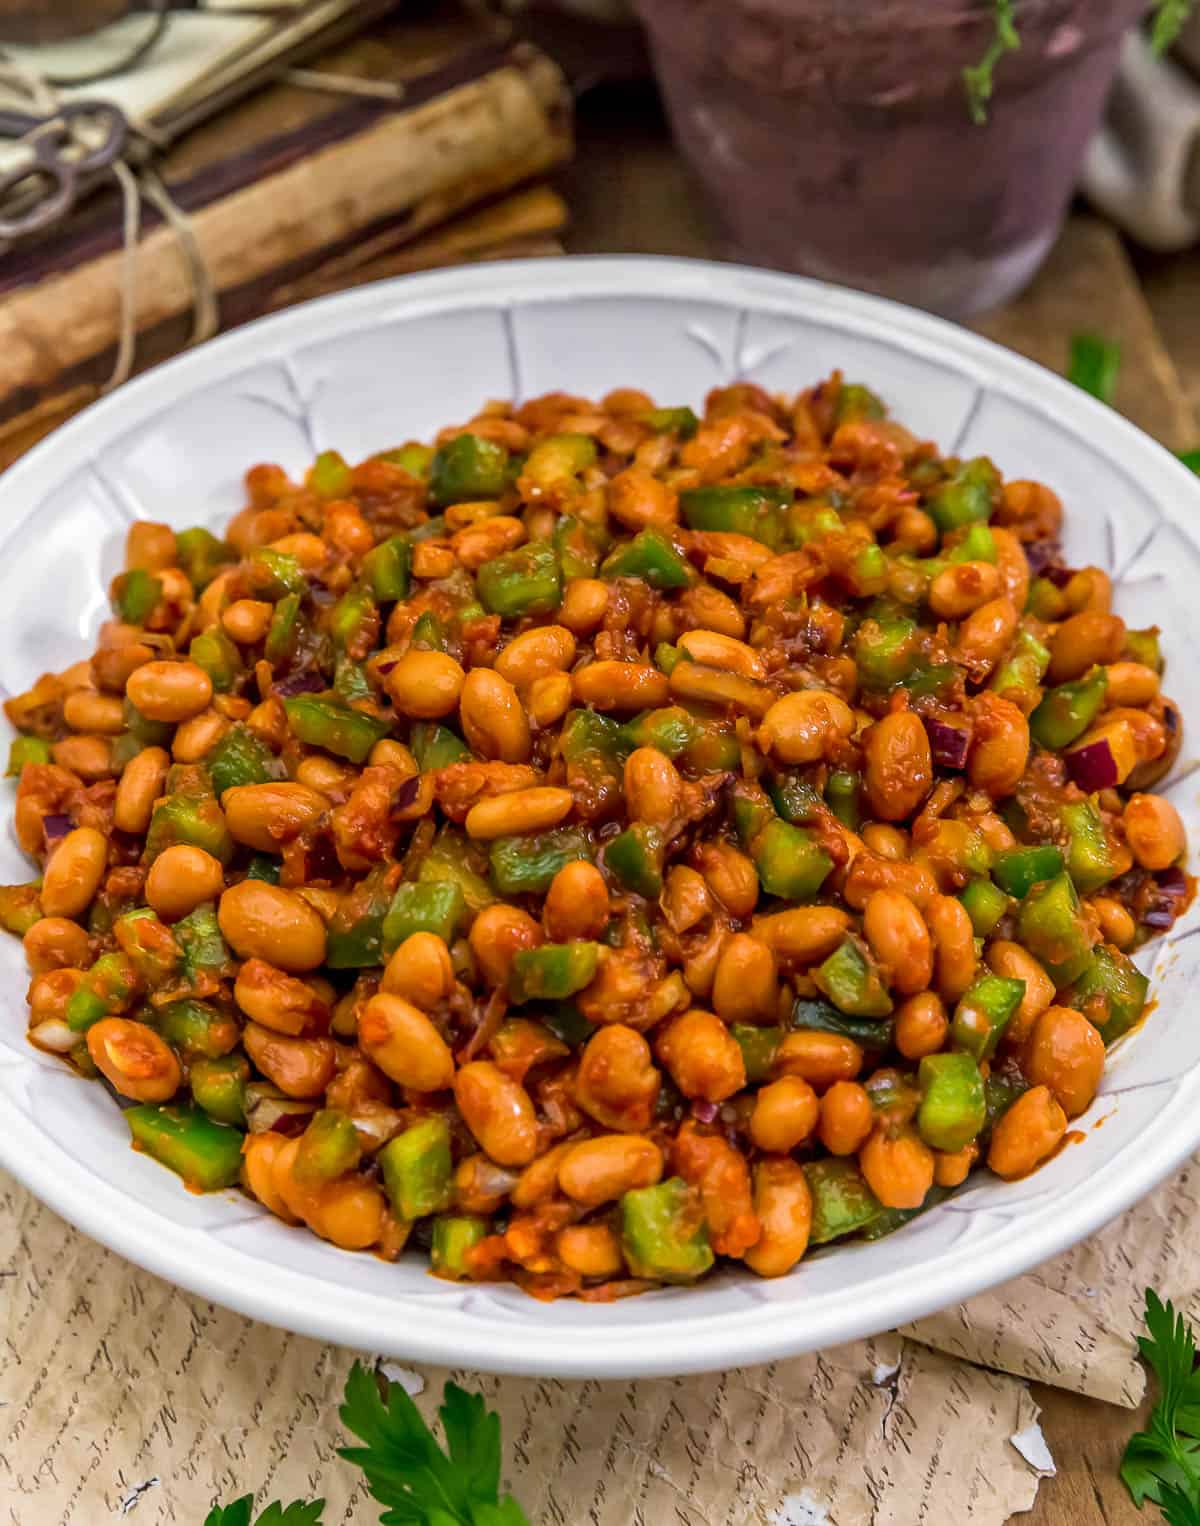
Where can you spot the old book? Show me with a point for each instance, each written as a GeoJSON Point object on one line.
{"type": "Point", "coordinates": [269, 208]}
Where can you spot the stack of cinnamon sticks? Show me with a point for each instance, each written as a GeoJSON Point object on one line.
{"type": "Point", "coordinates": [308, 187]}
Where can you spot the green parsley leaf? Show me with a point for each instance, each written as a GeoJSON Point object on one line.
{"type": "Point", "coordinates": [1169, 18]}
{"type": "Point", "coordinates": [1094, 365]}
{"type": "Point", "coordinates": [978, 77]}
{"type": "Point", "coordinates": [408, 1471]}
{"type": "Point", "coordinates": [1162, 1463]}
{"type": "Point", "coordinates": [238, 1514]}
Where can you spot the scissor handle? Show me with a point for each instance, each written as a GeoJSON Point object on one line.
{"type": "Point", "coordinates": [116, 133]}
{"type": "Point", "coordinates": [46, 209]}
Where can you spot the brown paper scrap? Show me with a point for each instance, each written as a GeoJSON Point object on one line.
{"type": "Point", "coordinates": [121, 1396]}
{"type": "Point", "coordinates": [1074, 1320]}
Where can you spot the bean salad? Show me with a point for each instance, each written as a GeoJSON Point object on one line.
{"type": "Point", "coordinates": [604, 842]}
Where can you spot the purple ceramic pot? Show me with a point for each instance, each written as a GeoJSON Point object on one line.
{"type": "Point", "coordinates": [833, 137]}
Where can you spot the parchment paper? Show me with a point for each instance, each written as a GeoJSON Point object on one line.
{"type": "Point", "coordinates": [122, 1397]}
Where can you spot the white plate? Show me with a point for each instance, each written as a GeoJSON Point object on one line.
{"type": "Point", "coordinates": [373, 367]}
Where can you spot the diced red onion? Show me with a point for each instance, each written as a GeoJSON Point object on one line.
{"type": "Point", "coordinates": [1160, 918]}
{"type": "Point", "coordinates": [705, 1112]}
{"type": "Point", "coordinates": [948, 744]}
{"type": "Point", "coordinates": [1059, 576]}
{"type": "Point", "coordinates": [1041, 554]}
{"type": "Point", "coordinates": [1171, 882]}
{"type": "Point", "coordinates": [1093, 766]}
{"type": "Point", "coordinates": [408, 792]}
{"type": "Point", "coordinates": [56, 826]}
{"type": "Point", "coordinates": [306, 682]}
{"type": "Point", "coordinates": [386, 667]}
{"type": "Point", "coordinates": [53, 1034]}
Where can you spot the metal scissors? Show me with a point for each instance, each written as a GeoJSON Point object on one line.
{"type": "Point", "coordinates": [66, 148]}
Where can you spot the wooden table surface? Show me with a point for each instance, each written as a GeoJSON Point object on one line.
{"type": "Point", "coordinates": [629, 194]}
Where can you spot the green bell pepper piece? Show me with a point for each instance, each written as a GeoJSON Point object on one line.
{"type": "Point", "coordinates": [333, 725]}
{"type": "Point", "coordinates": [26, 750]}
{"type": "Point", "coordinates": [553, 971]}
{"type": "Point", "coordinates": [651, 557]}
{"type": "Point", "coordinates": [354, 937]}
{"type": "Point", "coordinates": [1052, 928]}
{"type": "Point", "coordinates": [1067, 711]}
{"type": "Point", "coordinates": [526, 581]}
{"type": "Point", "coordinates": [388, 569]}
{"type": "Point", "coordinates": [662, 1235]}
{"type": "Point", "coordinates": [841, 1200]}
{"type": "Point", "coordinates": [417, 1169]}
{"type": "Point", "coordinates": [137, 592]}
{"type": "Point", "coordinates": [568, 1024]}
{"type": "Point", "coordinates": [438, 907]}
{"type": "Point", "coordinates": [1111, 992]}
{"type": "Point", "coordinates": [578, 546]}
{"type": "Point", "coordinates": [713, 751]}
{"type": "Point", "coordinates": [586, 731]}
{"type": "Point", "coordinates": [274, 574]}
{"type": "Point", "coordinates": [1018, 870]}
{"type": "Point", "coordinates": [218, 1086]}
{"type": "Point", "coordinates": [197, 1028]}
{"type": "Point", "coordinates": [636, 858]}
{"type": "Point", "coordinates": [201, 555]}
{"type": "Point", "coordinates": [435, 746]}
{"type": "Point", "coordinates": [263, 867]}
{"type": "Point", "coordinates": [751, 810]}
{"type": "Point", "coordinates": [867, 574]}
{"type": "Point", "coordinates": [1024, 668]}
{"type": "Point", "coordinates": [934, 678]}
{"type": "Point", "coordinates": [886, 650]}
{"type": "Point", "coordinates": [808, 520]}
{"type": "Point", "coordinates": [354, 621]}
{"type": "Point", "coordinates": [854, 401]}
{"type": "Point", "coordinates": [1143, 646]}
{"type": "Point", "coordinates": [977, 545]}
{"type": "Point", "coordinates": [240, 758]}
{"type": "Point", "coordinates": [213, 651]}
{"type": "Point", "coordinates": [970, 495]}
{"type": "Point", "coordinates": [191, 819]}
{"type": "Point", "coordinates": [559, 458]}
{"type": "Point", "coordinates": [820, 1016]}
{"type": "Point", "coordinates": [789, 861]}
{"type": "Point", "coordinates": [200, 941]}
{"type": "Point", "coordinates": [678, 421]}
{"type": "Point", "coordinates": [843, 795]}
{"type": "Point", "coordinates": [527, 865]}
{"type": "Point", "coordinates": [953, 1111]}
{"type": "Point", "coordinates": [105, 990]}
{"type": "Point", "coordinates": [758, 1046]}
{"type": "Point", "coordinates": [985, 904]}
{"type": "Point", "coordinates": [329, 476]}
{"type": "Point", "coordinates": [207, 1155]}
{"type": "Point", "coordinates": [283, 629]}
{"type": "Point", "coordinates": [453, 1236]}
{"type": "Point", "coordinates": [350, 680]}
{"type": "Point", "coordinates": [427, 633]}
{"type": "Point", "coordinates": [150, 946]}
{"type": "Point", "coordinates": [984, 1010]}
{"type": "Point", "coordinates": [148, 733]}
{"type": "Point", "coordinates": [465, 468]}
{"type": "Point", "coordinates": [796, 798]}
{"type": "Point", "coordinates": [889, 1220]}
{"type": "Point", "coordinates": [852, 982]}
{"type": "Point", "coordinates": [671, 730]}
{"type": "Point", "coordinates": [1000, 1091]}
{"type": "Point", "coordinates": [329, 1148]}
{"type": "Point", "coordinates": [1091, 861]}
{"type": "Point", "coordinates": [447, 860]}
{"type": "Point", "coordinates": [414, 458]}
{"type": "Point", "coordinates": [754, 511]}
